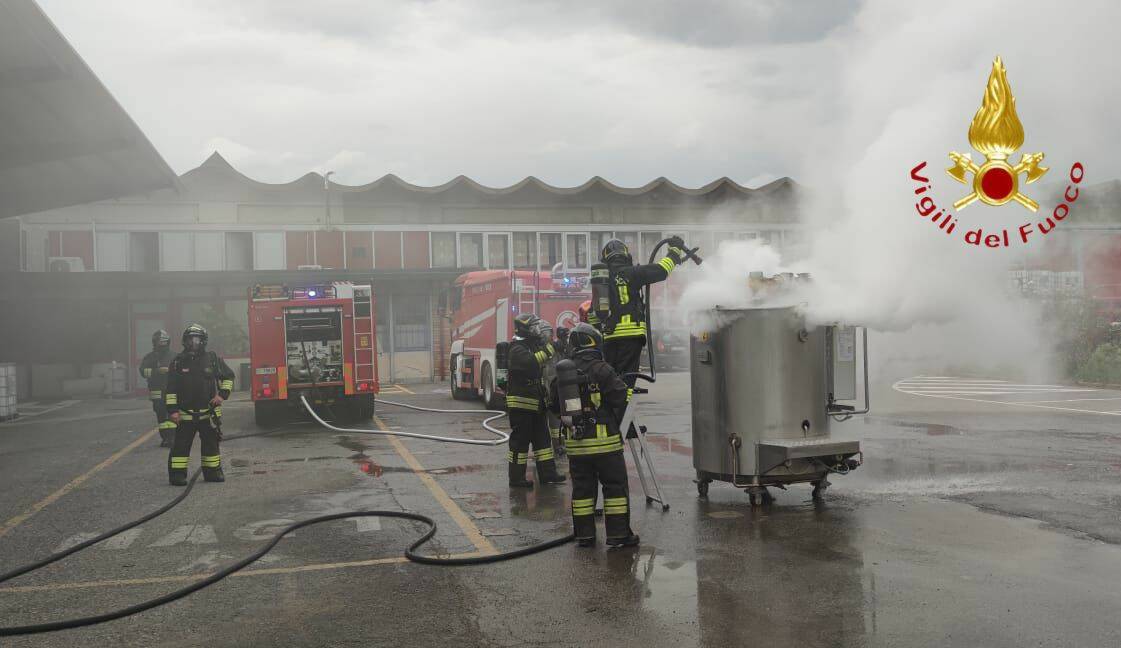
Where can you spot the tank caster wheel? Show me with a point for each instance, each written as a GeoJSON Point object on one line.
{"type": "Point", "coordinates": [818, 493]}
{"type": "Point", "coordinates": [702, 487]}
{"type": "Point", "coordinates": [761, 498]}
{"type": "Point", "coordinates": [649, 500]}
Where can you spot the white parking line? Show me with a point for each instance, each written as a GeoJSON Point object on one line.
{"type": "Point", "coordinates": [918, 386]}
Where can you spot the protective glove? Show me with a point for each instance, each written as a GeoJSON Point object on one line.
{"type": "Point", "coordinates": [677, 242]}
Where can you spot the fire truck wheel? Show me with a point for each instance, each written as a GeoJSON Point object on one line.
{"type": "Point", "coordinates": [490, 395]}
{"type": "Point", "coordinates": [457, 393]}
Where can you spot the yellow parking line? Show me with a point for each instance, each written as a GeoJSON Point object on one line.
{"type": "Point", "coordinates": [159, 580]}
{"type": "Point", "coordinates": [404, 389]}
{"type": "Point", "coordinates": [465, 524]}
{"type": "Point", "coordinates": [76, 482]}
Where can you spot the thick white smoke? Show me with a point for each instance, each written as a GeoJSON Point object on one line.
{"type": "Point", "coordinates": [908, 83]}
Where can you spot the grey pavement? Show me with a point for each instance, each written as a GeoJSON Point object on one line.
{"type": "Point", "coordinates": [978, 519]}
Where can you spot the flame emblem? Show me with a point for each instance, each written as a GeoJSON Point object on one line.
{"type": "Point", "coordinates": [996, 132]}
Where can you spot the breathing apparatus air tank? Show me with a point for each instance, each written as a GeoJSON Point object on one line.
{"type": "Point", "coordinates": [601, 290]}
{"type": "Point", "coordinates": [571, 402]}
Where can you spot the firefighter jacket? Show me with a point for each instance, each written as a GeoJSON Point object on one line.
{"type": "Point", "coordinates": [524, 386]}
{"type": "Point", "coordinates": [153, 368]}
{"type": "Point", "coordinates": [627, 317]}
{"type": "Point", "coordinates": [193, 380]}
{"type": "Point", "coordinates": [609, 396]}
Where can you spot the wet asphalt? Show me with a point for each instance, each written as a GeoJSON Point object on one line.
{"type": "Point", "coordinates": [973, 522]}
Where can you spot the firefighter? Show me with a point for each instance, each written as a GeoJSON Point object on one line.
{"type": "Point", "coordinates": [153, 368]}
{"type": "Point", "coordinates": [596, 458]}
{"type": "Point", "coordinates": [530, 350]}
{"type": "Point", "coordinates": [624, 329]}
{"type": "Point", "coordinates": [198, 381]}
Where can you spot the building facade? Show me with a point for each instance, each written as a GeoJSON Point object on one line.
{"type": "Point", "coordinates": [190, 253]}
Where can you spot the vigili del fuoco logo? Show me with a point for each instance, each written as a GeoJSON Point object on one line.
{"type": "Point", "coordinates": [997, 133]}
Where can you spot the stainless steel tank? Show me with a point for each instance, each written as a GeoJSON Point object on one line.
{"type": "Point", "coordinates": [765, 388]}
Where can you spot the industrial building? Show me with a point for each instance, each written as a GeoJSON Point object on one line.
{"type": "Point", "coordinates": [94, 280]}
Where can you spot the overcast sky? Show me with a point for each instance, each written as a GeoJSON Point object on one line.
{"type": "Point", "coordinates": [627, 89]}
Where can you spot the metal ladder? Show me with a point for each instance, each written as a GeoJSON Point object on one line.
{"type": "Point", "coordinates": [639, 452]}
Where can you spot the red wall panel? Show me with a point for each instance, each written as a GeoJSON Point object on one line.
{"type": "Point", "coordinates": [416, 250]}
{"type": "Point", "coordinates": [387, 250]}
{"type": "Point", "coordinates": [359, 250]}
{"type": "Point", "coordinates": [329, 249]}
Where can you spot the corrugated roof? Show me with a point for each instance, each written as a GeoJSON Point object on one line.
{"type": "Point", "coordinates": [219, 180]}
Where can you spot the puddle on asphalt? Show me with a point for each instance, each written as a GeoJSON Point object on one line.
{"type": "Point", "coordinates": [372, 468]}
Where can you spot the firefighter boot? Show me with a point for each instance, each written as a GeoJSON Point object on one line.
{"type": "Point", "coordinates": [625, 541]}
{"type": "Point", "coordinates": [547, 472]}
{"type": "Point", "coordinates": [213, 474]}
{"type": "Point", "coordinates": [517, 476]}
{"type": "Point", "coordinates": [177, 477]}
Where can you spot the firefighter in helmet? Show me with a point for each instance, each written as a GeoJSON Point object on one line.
{"type": "Point", "coordinates": [198, 381]}
{"type": "Point", "coordinates": [624, 327]}
{"type": "Point", "coordinates": [595, 458]}
{"type": "Point", "coordinates": [153, 368]}
{"type": "Point", "coordinates": [530, 350]}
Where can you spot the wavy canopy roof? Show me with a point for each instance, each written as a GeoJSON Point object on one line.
{"type": "Point", "coordinates": [219, 180]}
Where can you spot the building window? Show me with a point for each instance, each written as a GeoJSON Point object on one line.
{"type": "Point", "coordinates": [649, 240]}
{"type": "Point", "coordinates": [550, 250]}
{"type": "Point", "coordinates": [470, 250]}
{"type": "Point", "coordinates": [630, 239]}
{"type": "Point", "coordinates": [600, 239]}
{"type": "Point", "coordinates": [443, 249]}
{"type": "Point", "coordinates": [498, 256]}
{"type": "Point", "coordinates": [576, 253]}
{"type": "Point", "coordinates": [239, 250]}
{"type": "Point", "coordinates": [525, 250]}
{"type": "Point", "coordinates": [144, 252]}
{"type": "Point", "coordinates": [410, 323]}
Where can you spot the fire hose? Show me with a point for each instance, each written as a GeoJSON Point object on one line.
{"type": "Point", "coordinates": [411, 553]}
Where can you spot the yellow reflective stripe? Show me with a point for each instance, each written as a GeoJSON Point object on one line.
{"type": "Point", "coordinates": [554, 432]}
{"type": "Point", "coordinates": [541, 356]}
{"type": "Point", "coordinates": [171, 399]}
{"type": "Point", "coordinates": [584, 506]}
{"type": "Point", "coordinates": [667, 264]}
{"type": "Point", "coordinates": [212, 461]}
{"type": "Point", "coordinates": [577, 447]}
{"type": "Point", "coordinates": [147, 373]}
{"type": "Point", "coordinates": [627, 332]}
{"type": "Point", "coordinates": [630, 392]}
{"type": "Point", "coordinates": [615, 501]}
{"type": "Point", "coordinates": [624, 294]}
{"type": "Point", "coordinates": [228, 385]}
{"type": "Point", "coordinates": [218, 411]}
{"type": "Point", "coordinates": [543, 455]}
{"type": "Point", "coordinates": [163, 369]}
{"type": "Point", "coordinates": [601, 431]}
{"type": "Point", "coordinates": [167, 425]}
{"type": "Point", "coordinates": [180, 462]}
{"type": "Point", "coordinates": [596, 399]}
{"type": "Point", "coordinates": [155, 395]}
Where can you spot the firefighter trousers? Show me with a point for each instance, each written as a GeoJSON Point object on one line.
{"type": "Point", "coordinates": [624, 355]}
{"type": "Point", "coordinates": [588, 473]}
{"type": "Point", "coordinates": [180, 455]}
{"type": "Point", "coordinates": [165, 426]}
{"type": "Point", "coordinates": [526, 429]}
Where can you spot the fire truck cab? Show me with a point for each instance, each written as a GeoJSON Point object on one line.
{"type": "Point", "coordinates": [483, 306]}
{"type": "Point", "coordinates": [315, 340]}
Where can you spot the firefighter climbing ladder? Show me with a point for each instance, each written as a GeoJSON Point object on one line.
{"type": "Point", "coordinates": [639, 452]}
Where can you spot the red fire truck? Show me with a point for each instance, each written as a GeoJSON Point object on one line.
{"type": "Point", "coordinates": [484, 304]}
{"type": "Point", "coordinates": [315, 340]}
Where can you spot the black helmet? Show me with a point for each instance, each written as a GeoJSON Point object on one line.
{"type": "Point", "coordinates": [615, 252]}
{"type": "Point", "coordinates": [525, 325]}
{"type": "Point", "coordinates": [160, 339]}
{"type": "Point", "coordinates": [195, 337]}
{"type": "Point", "coordinates": [562, 333]}
{"type": "Point", "coordinates": [585, 337]}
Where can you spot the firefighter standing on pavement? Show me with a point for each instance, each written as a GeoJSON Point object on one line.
{"type": "Point", "coordinates": [153, 368]}
{"type": "Point", "coordinates": [530, 350]}
{"type": "Point", "coordinates": [596, 457]}
{"type": "Point", "coordinates": [624, 326]}
{"type": "Point", "coordinates": [198, 381]}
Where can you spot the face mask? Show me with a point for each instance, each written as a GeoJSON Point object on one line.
{"type": "Point", "coordinates": [194, 344]}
